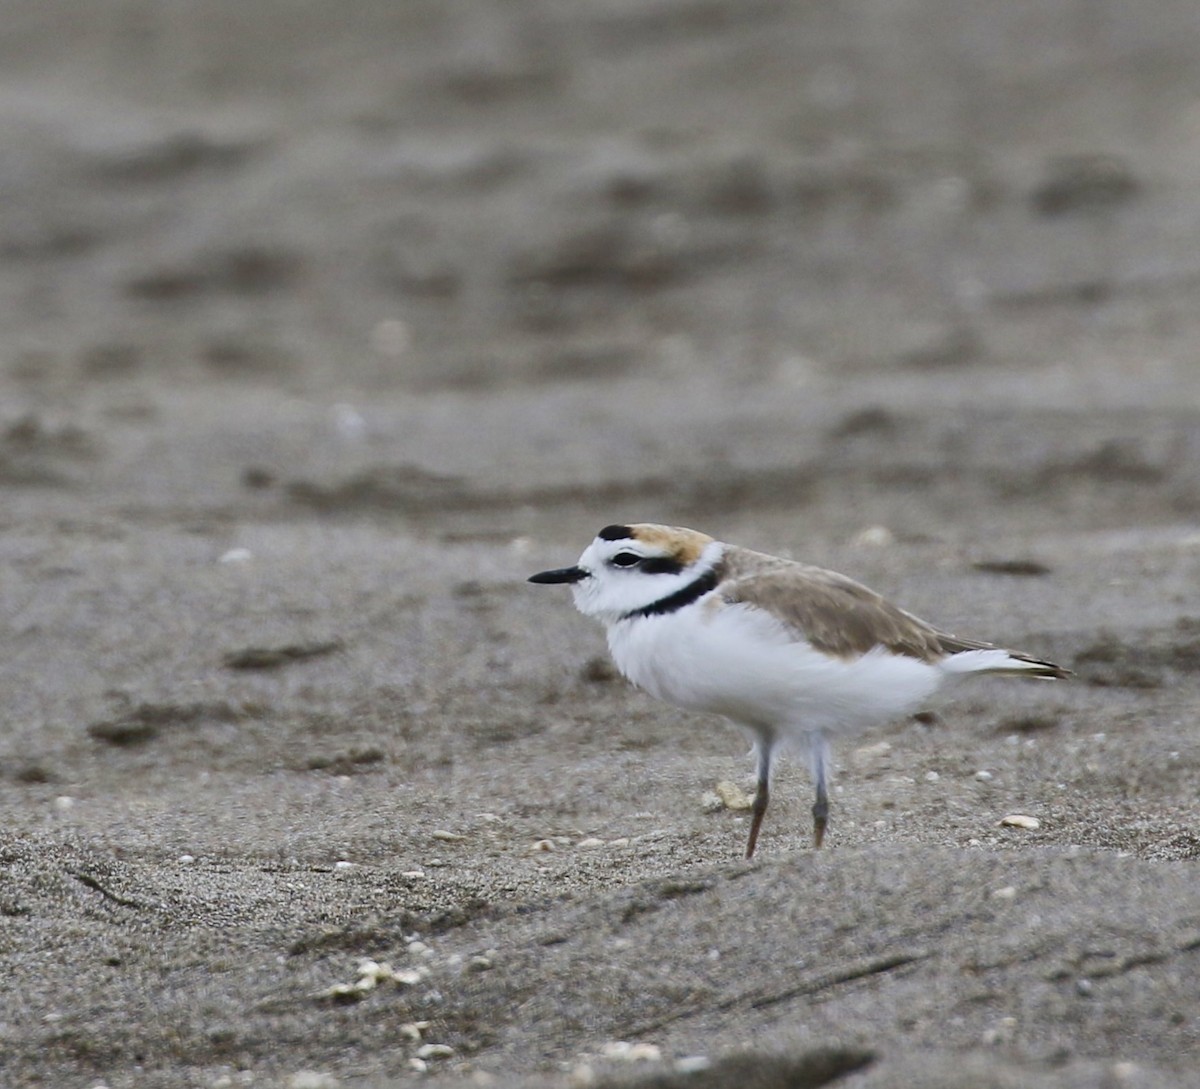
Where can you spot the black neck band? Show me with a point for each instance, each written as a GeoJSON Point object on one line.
{"type": "Point", "coordinates": [693, 591]}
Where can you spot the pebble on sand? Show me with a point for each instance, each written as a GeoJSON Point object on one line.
{"type": "Point", "coordinates": [435, 1051]}
{"type": "Point", "coordinates": [581, 1076]}
{"type": "Point", "coordinates": [873, 537]}
{"type": "Point", "coordinates": [870, 752]}
{"type": "Point", "coordinates": [732, 796]}
{"type": "Point", "coordinates": [1020, 820]}
{"type": "Point", "coordinates": [312, 1079]}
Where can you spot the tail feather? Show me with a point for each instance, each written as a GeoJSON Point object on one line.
{"type": "Point", "coordinates": [996, 660]}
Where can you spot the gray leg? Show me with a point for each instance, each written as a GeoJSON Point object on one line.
{"type": "Point", "coordinates": [820, 809]}
{"type": "Point", "coordinates": [762, 794]}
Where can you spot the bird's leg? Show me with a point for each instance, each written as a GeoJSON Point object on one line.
{"type": "Point", "coordinates": [762, 795]}
{"type": "Point", "coordinates": [820, 809]}
{"type": "Point", "coordinates": [820, 815]}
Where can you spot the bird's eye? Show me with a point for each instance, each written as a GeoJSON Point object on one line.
{"type": "Point", "coordinates": [625, 559]}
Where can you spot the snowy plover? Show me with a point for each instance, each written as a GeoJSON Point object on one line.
{"type": "Point", "coordinates": [791, 653]}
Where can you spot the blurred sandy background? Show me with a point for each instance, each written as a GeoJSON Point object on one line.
{"type": "Point", "coordinates": [323, 325]}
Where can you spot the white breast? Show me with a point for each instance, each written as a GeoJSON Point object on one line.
{"type": "Point", "coordinates": [738, 661]}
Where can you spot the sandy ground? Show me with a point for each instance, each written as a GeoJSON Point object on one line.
{"type": "Point", "coordinates": [325, 325]}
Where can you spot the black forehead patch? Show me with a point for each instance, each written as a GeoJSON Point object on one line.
{"type": "Point", "coordinates": [615, 533]}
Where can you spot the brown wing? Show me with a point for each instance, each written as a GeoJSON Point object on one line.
{"type": "Point", "coordinates": [833, 613]}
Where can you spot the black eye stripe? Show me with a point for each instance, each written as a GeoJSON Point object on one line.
{"type": "Point", "coordinates": [650, 565]}
{"type": "Point", "coordinates": [661, 565]}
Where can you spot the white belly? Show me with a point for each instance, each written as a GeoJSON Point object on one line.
{"type": "Point", "coordinates": [740, 662]}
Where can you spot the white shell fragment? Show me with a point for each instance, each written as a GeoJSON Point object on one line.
{"type": "Point", "coordinates": [370, 975]}
{"type": "Point", "coordinates": [435, 1051]}
{"type": "Point", "coordinates": [1001, 1033]}
{"type": "Point", "coordinates": [632, 1053]}
{"type": "Point", "coordinates": [411, 1030]}
{"type": "Point", "coordinates": [1019, 820]}
{"type": "Point", "coordinates": [408, 977]}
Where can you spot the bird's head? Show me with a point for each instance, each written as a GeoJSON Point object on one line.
{"type": "Point", "coordinates": [628, 568]}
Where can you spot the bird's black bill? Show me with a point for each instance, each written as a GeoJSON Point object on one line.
{"type": "Point", "coordinates": [561, 574]}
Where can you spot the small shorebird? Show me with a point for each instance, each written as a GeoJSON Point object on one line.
{"type": "Point", "coordinates": [791, 653]}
